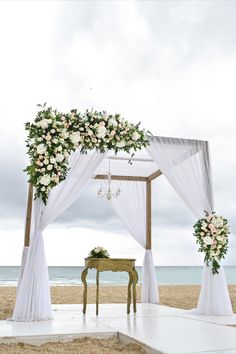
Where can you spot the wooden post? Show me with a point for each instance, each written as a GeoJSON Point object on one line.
{"type": "Point", "coordinates": [149, 215]}
{"type": "Point", "coordinates": [28, 215]}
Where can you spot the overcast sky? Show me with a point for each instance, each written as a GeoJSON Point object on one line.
{"type": "Point", "coordinates": [169, 64]}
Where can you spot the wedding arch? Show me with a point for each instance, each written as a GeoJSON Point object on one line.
{"type": "Point", "coordinates": [184, 162]}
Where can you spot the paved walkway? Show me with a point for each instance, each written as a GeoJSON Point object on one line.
{"type": "Point", "coordinates": [163, 329]}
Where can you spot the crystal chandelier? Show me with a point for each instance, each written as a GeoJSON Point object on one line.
{"type": "Point", "coordinates": [107, 192]}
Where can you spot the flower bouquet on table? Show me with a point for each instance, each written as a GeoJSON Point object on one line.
{"type": "Point", "coordinates": [98, 252]}
{"type": "Point", "coordinates": [211, 234]}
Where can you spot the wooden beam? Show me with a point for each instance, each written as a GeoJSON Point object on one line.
{"type": "Point", "coordinates": [154, 175]}
{"type": "Point", "coordinates": [28, 215]}
{"type": "Point", "coordinates": [123, 178]}
{"type": "Point", "coordinates": [149, 215]}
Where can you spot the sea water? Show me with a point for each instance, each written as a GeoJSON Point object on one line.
{"type": "Point", "coordinates": [72, 276]}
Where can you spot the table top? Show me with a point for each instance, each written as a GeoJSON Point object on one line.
{"type": "Point", "coordinates": [111, 259]}
{"type": "Point", "coordinates": [111, 264]}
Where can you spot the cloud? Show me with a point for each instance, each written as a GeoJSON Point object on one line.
{"type": "Point", "coordinates": [168, 64]}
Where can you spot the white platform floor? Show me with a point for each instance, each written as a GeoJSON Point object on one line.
{"type": "Point", "coordinates": [164, 329]}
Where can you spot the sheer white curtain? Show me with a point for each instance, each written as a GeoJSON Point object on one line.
{"type": "Point", "coordinates": [130, 207]}
{"type": "Point", "coordinates": [33, 302]}
{"type": "Point", "coordinates": [186, 165]}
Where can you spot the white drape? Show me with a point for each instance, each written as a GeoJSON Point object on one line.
{"type": "Point", "coordinates": [33, 302]}
{"type": "Point", "coordinates": [130, 207]}
{"type": "Point", "coordinates": [23, 261]}
{"type": "Point", "coordinates": [186, 165]}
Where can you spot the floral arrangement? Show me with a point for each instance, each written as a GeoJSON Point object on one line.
{"type": "Point", "coordinates": [98, 252]}
{"type": "Point", "coordinates": [212, 233]}
{"type": "Point", "coordinates": [54, 135]}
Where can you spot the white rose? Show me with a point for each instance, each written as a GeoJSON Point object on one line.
{"type": "Point", "coordinates": [101, 132]}
{"type": "Point", "coordinates": [49, 167]}
{"type": "Point", "coordinates": [90, 132]}
{"type": "Point", "coordinates": [64, 134]}
{"type": "Point", "coordinates": [41, 149]}
{"type": "Point", "coordinates": [59, 148]}
{"type": "Point", "coordinates": [75, 138]}
{"type": "Point", "coordinates": [207, 240]}
{"type": "Point", "coordinates": [52, 160]}
{"type": "Point", "coordinates": [44, 123]}
{"type": "Point", "coordinates": [120, 144]}
{"type": "Point", "coordinates": [204, 225]}
{"type": "Point", "coordinates": [135, 136]}
{"type": "Point", "coordinates": [45, 180]}
{"type": "Point", "coordinates": [97, 249]}
{"type": "Point", "coordinates": [112, 122]}
{"type": "Point", "coordinates": [59, 157]}
{"type": "Point", "coordinates": [217, 222]}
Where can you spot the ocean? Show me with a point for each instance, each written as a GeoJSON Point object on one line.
{"type": "Point", "coordinates": [72, 276]}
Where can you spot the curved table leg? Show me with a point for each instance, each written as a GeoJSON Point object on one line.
{"type": "Point", "coordinates": [135, 280]}
{"type": "Point", "coordinates": [83, 279]}
{"type": "Point", "coordinates": [129, 291]}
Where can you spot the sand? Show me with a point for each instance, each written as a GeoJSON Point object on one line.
{"type": "Point", "coordinates": [85, 345]}
{"type": "Point", "coordinates": [181, 296]}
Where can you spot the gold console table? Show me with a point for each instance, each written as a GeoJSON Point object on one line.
{"type": "Point", "coordinates": [114, 265]}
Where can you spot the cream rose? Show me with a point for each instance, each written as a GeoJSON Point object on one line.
{"type": "Point", "coordinates": [207, 240]}
{"type": "Point", "coordinates": [52, 160]}
{"type": "Point", "coordinates": [97, 249]}
{"type": "Point", "coordinates": [120, 144]}
{"type": "Point", "coordinates": [59, 157]}
{"type": "Point", "coordinates": [49, 167]}
{"type": "Point", "coordinates": [44, 123]}
{"type": "Point", "coordinates": [41, 149]}
{"type": "Point", "coordinates": [112, 122]}
{"type": "Point", "coordinates": [135, 136]}
{"type": "Point", "coordinates": [45, 180]}
{"type": "Point", "coordinates": [75, 138]}
{"type": "Point", "coordinates": [101, 132]}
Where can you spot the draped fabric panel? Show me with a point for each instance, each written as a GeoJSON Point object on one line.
{"type": "Point", "coordinates": [149, 283]}
{"type": "Point", "coordinates": [23, 261]}
{"type": "Point", "coordinates": [214, 296]}
{"type": "Point", "coordinates": [186, 165]}
{"type": "Point", "coordinates": [130, 207]}
{"type": "Point", "coordinates": [33, 302]}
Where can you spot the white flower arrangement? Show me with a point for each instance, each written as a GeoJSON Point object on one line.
{"type": "Point", "coordinates": [211, 234]}
{"type": "Point", "coordinates": [53, 136]}
{"type": "Point", "coordinates": [98, 252]}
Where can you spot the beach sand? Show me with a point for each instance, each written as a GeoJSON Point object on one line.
{"type": "Point", "coordinates": [181, 296]}
{"type": "Point", "coordinates": [84, 345]}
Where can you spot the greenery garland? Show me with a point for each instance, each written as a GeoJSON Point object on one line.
{"type": "Point", "coordinates": [211, 234]}
{"type": "Point", "coordinates": [53, 136]}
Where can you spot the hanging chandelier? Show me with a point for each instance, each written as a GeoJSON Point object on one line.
{"type": "Point", "coordinates": [107, 192]}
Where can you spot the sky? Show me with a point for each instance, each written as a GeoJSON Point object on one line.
{"type": "Point", "coordinates": [169, 64]}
